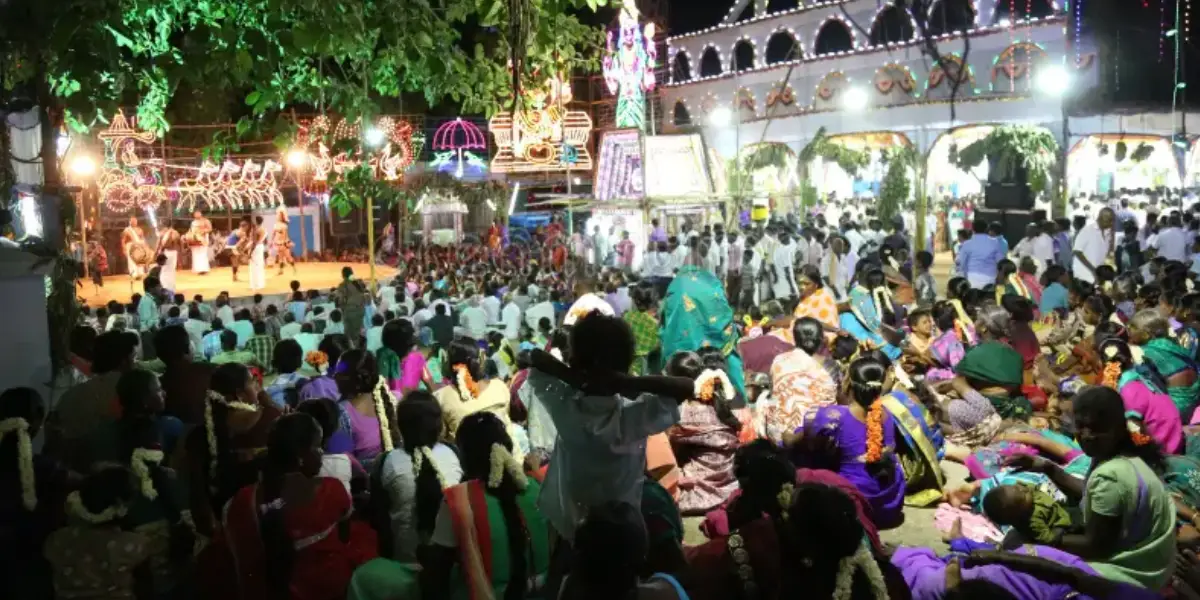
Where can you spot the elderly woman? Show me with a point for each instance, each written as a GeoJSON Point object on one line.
{"type": "Point", "coordinates": [1152, 331]}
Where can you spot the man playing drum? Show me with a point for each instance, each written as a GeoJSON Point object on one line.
{"type": "Point", "coordinates": [137, 253]}
{"type": "Point", "coordinates": [198, 240]}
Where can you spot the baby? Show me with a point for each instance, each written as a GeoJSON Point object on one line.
{"type": "Point", "coordinates": [1031, 512]}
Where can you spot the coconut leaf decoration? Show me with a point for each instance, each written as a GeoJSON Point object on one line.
{"type": "Point", "coordinates": [1013, 146]}
{"type": "Point", "coordinates": [1142, 152]}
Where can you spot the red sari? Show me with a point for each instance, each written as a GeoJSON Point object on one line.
{"type": "Point", "coordinates": [322, 564]}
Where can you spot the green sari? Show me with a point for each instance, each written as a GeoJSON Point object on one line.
{"type": "Point", "coordinates": [697, 315]}
{"type": "Point", "coordinates": [1170, 358]}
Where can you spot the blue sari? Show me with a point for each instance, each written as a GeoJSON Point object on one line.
{"type": "Point", "coordinates": [866, 329]}
{"type": "Point", "coordinates": [925, 448]}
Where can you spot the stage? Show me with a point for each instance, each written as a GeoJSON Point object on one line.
{"type": "Point", "coordinates": [313, 275]}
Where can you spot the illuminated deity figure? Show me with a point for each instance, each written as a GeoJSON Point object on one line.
{"type": "Point", "coordinates": [128, 181]}
{"type": "Point", "coordinates": [543, 137]}
{"type": "Point", "coordinates": [629, 67]}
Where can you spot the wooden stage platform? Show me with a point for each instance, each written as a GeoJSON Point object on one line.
{"type": "Point", "coordinates": [314, 275]}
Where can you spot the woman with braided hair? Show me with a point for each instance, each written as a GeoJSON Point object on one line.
{"type": "Point", "coordinates": [32, 489]}
{"type": "Point", "coordinates": [1144, 393]}
{"type": "Point", "coordinates": [366, 399]}
{"type": "Point", "coordinates": [858, 440]}
{"type": "Point", "coordinates": [290, 534]}
{"type": "Point", "coordinates": [470, 392]}
{"type": "Point", "coordinates": [490, 539]}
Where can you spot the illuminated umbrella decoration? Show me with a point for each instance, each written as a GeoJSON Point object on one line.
{"type": "Point", "coordinates": [452, 145]}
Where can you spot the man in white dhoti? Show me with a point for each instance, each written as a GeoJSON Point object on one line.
{"type": "Point", "coordinates": [168, 246]}
{"type": "Point", "coordinates": [132, 240]}
{"type": "Point", "coordinates": [258, 255]}
{"type": "Point", "coordinates": [198, 239]}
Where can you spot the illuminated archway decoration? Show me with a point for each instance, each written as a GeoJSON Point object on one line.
{"type": "Point", "coordinates": [629, 66]}
{"type": "Point", "coordinates": [452, 145]}
{"type": "Point", "coordinates": [954, 62]}
{"type": "Point", "coordinates": [543, 137]}
{"type": "Point", "coordinates": [1015, 61]}
{"type": "Point", "coordinates": [893, 76]}
{"type": "Point", "coordinates": [388, 164]}
{"type": "Point", "coordinates": [828, 88]}
{"type": "Point", "coordinates": [781, 95]}
{"type": "Point", "coordinates": [127, 181]}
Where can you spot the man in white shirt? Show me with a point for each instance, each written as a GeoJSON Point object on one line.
{"type": "Point", "coordinates": [1172, 242]}
{"type": "Point", "coordinates": [838, 267]}
{"type": "Point", "coordinates": [491, 304]}
{"type": "Point", "coordinates": [854, 238]}
{"type": "Point", "coordinates": [511, 318]}
{"type": "Point", "coordinates": [679, 254]}
{"type": "Point", "coordinates": [783, 282]}
{"type": "Point", "coordinates": [290, 327]}
{"type": "Point", "coordinates": [543, 309]}
{"type": "Point", "coordinates": [1093, 245]}
{"type": "Point", "coordinates": [474, 319]}
{"type": "Point", "coordinates": [196, 327]}
{"type": "Point", "coordinates": [1036, 245]}
{"type": "Point", "coordinates": [424, 314]}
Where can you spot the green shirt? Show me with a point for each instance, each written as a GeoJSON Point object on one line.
{"type": "Point", "coordinates": [1127, 488]}
{"type": "Point", "coordinates": [235, 356]}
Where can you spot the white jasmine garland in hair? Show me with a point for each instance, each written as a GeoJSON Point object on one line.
{"type": "Point", "coordinates": [864, 561]}
{"type": "Point", "coordinates": [385, 431]}
{"type": "Point", "coordinates": [211, 431]}
{"type": "Point", "coordinates": [139, 463]}
{"type": "Point", "coordinates": [20, 428]}
{"type": "Point", "coordinates": [708, 380]}
{"type": "Point", "coordinates": [76, 508]}
{"type": "Point", "coordinates": [500, 461]}
{"type": "Point", "coordinates": [423, 454]}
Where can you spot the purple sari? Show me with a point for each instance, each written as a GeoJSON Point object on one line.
{"type": "Point", "coordinates": [947, 350]}
{"type": "Point", "coordinates": [886, 494]}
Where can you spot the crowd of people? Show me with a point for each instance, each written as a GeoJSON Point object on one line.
{"type": "Point", "coordinates": [486, 425]}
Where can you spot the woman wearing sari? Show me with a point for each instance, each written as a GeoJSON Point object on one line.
{"type": "Point", "coordinates": [490, 540]}
{"type": "Point", "coordinates": [870, 305]}
{"type": "Point", "coordinates": [859, 442]}
{"type": "Point", "coordinates": [400, 361]}
{"type": "Point", "coordinates": [697, 315]}
{"type": "Point", "coordinates": [922, 448]}
{"type": "Point", "coordinates": [468, 393]}
{"type": "Point", "coordinates": [1152, 332]}
{"type": "Point", "coordinates": [1009, 281]}
{"type": "Point", "coordinates": [1143, 391]}
{"type": "Point", "coordinates": [816, 301]}
{"type": "Point", "coordinates": [950, 345]}
{"type": "Point", "coordinates": [995, 371]}
{"type": "Point", "coordinates": [800, 382]}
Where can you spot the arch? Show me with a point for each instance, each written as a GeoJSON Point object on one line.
{"type": "Point", "coordinates": [942, 177]}
{"type": "Point", "coordinates": [1016, 63]}
{"type": "Point", "coordinates": [710, 62]}
{"type": "Point", "coordinates": [1031, 9]}
{"type": "Point", "coordinates": [892, 24]}
{"type": "Point", "coordinates": [946, 16]}
{"type": "Point", "coordinates": [833, 35]}
{"type": "Point", "coordinates": [771, 167]}
{"type": "Point", "coordinates": [825, 96]}
{"type": "Point", "coordinates": [777, 6]}
{"type": "Point", "coordinates": [830, 178]}
{"type": "Point", "coordinates": [681, 117]}
{"type": "Point", "coordinates": [940, 80]}
{"type": "Point", "coordinates": [744, 55]}
{"type": "Point", "coordinates": [895, 82]}
{"type": "Point", "coordinates": [681, 67]}
{"type": "Point", "coordinates": [783, 46]}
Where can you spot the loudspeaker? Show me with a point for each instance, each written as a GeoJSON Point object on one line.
{"type": "Point", "coordinates": [1008, 196]}
{"type": "Point", "coordinates": [1013, 222]}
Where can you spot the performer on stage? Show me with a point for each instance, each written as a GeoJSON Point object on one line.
{"type": "Point", "coordinates": [281, 243]}
{"type": "Point", "coordinates": [133, 243]}
{"type": "Point", "coordinates": [240, 244]}
{"type": "Point", "coordinates": [168, 245]}
{"type": "Point", "coordinates": [258, 255]}
{"type": "Point", "coordinates": [198, 239]}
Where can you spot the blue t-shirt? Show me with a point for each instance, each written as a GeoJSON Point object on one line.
{"type": "Point", "coordinates": [1053, 297]}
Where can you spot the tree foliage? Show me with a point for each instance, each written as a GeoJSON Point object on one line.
{"type": "Point", "coordinates": [896, 187]}
{"type": "Point", "coordinates": [1012, 146]}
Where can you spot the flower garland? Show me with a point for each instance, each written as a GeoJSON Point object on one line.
{"type": "Point", "coordinates": [20, 428]}
{"type": "Point", "coordinates": [211, 431]}
{"type": "Point", "coordinates": [420, 456]}
{"type": "Point", "coordinates": [139, 463]}
{"type": "Point", "coordinates": [1136, 435]}
{"type": "Point", "coordinates": [385, 430]}
{"type": "Point", "coordinates": [318, 360]}
{"type": "Point", "coordinates": [875, 425]}
{"type": "Point", "coordinates": [882, 295]}
{"type": "Point", "coordinates": [468, 390]}
{"type": "Point", "coordinates": [864, 561]}
{"type": "Point", "coordinates": [1112, 368]}
{"type": "Point", "coordinates": [76, 508]}
{"type": "Point", "coordinates": [706, 385]}
{"type": "Point", "coordinates": [502, 461]}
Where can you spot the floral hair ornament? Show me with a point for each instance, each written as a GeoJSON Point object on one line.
{"type": "Point", "coordinates": [861, 560]}
{"type": "Point", "coordinates": [423, 454]}
{"type": "Point", "coordinates": [76, 508]}
{"type": "Point", "coordinates": [215, 397]}
{"type": "Point", "coordinates": [318, 360]}
{"type": "Point", "coordinates": [467, 388]}
{"type": "Point", "coordinates": [20, 428]}
{"type": "Point", "coordinates": [139, 462]}
{"type": "Point", "coordinates": [385, 430]}
{"type": "Point", "coordinates": [784, 498]}
{"type": "Point", "coordinates": [706, 385]}
{"type": "Point", "coordinates": [1135, 434]}
{"type": "Point", "coordinates": [501, 461]}
{"type": "Point", "coordinates": [875, 428]}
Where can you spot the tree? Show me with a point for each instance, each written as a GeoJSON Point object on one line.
{"type": "Point", "coordinates": [896, 188]}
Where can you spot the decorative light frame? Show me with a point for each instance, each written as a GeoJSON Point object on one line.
{"type": "Point", "coordinates": [403, 146]}
{"type": "Point", "coordinates": [879, 13]}
{"type": "Point", "coordinates": [451, 156]}
{"type": "Point", "coordinates": [720, 60]}
{"type": "Point", "coordinates": [621, 160]}
{"type": "Point", "coordinates": [128, 182]}
{"type": "Point", "coordinates": [230, 185]}
{"type": "Point", "coordinates": [1054, 8]}
{"type": "Point", "coordinates": [854, 45]}
{"type": "Point", "coordinates": [733, 54]}
{"type": "Point", "coordinates": [544, 137]}
{"type": "Point", "coordinates": [628, 66]}
{"type": "Point", "coordinates": [674, 56]}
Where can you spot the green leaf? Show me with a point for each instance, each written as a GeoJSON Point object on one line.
{"type": "Point", "coordinates": [253, 97]}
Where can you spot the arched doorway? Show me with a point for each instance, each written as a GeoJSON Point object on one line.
{"type": "Point", "coordinates": [1099, 164]}
{"type": "Point", "coordinates": [946, 16]}
{"type": "Point", "coordinates": [943, 179]}
{"type": "Point", "coordinates": [743, 55]}
{"type": "Point", "coordinates": [710, 62]}
{"type": "Point", "coordinates": [834, 35]}
{"type": "Point", "coordinates": [681, 67]}
{"type": "Point", "coordinates": [782, 46]}
{"type": "Point", "coordinates": [892, 25]}
{"type": "Point", "coordinates": [681, 116]}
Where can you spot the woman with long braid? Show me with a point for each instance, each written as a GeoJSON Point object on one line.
{"type": "Point", "coordinates": [487, 523]}
{"type": "Point", "coordinates": [863, 435]}
{"type": "Point", "coordinates": [290, 534]}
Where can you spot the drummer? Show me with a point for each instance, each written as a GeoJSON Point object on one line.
{"type": "Point", "coordinates": [132, 240]}
{"type": "Point", "coordinates": [198, 238]}
{"type": "Point", "coordinates": [281, 242]}
{"type": "Point", "coordinates": [168, 246]}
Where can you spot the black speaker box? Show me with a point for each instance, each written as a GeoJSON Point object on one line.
{"type": "Point", "coordinates": [1013, 222]}
{"type": "Point", "coordinates": [1008, 196]}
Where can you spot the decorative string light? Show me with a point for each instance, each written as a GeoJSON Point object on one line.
{"type": "Point", "coordinates": [402, 147]}
{"type": "Point", "coordinates": [126, 180]}
{"type": "Point", "coordinates": [544, 137]}
{"type": "Point", "coordinates": [619, 173]}
{"type": "Point", "coordinates": [230, 185]}
{"type": "Point", "coordinates": [1162, 31]}
{"type": "Point", "coordinates": [452, 142]}
{"type": "Point", "coordinates": [1187, 20]}
{"type": "Point", "coordinates": [1079, 25]}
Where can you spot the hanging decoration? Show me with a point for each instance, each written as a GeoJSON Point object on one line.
{"type": "Point", "coordinates": [452, 145]}
{"type": "Point", "coordinates": [629, 66]}
{"type": "Point", "coordinates": [544, 137]}
{"type": "Point", "coordinates": [1009, 146]}
{"type": "Point", "coordinates": [327, 160]}
{"type": "Point", "coordinates": [1006, 63]}
{"type": "Point", "coordinates": [781, 95]}
{"type": "Point", "coordinates": [955, 69]}
{"type": "Point", "coordinates": [619, 174]}
{"type": "Point", "coordinates": [230, 185]}
{"type": "Point", "coordinates": [127, 181]}
{"type": "Point", "coordinates": [745, 99]}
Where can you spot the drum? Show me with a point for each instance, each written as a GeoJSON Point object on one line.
{"type": "Point", "coordinates": [192, 238]}
{"type": "Point", "coordinates": [140, 253]}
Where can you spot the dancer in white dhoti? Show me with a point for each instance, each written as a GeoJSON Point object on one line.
{"type": "Point", "coordinates": [131, 239]}
{"type": "Point", "coordinates": [258, 256]}
{"type": "Point", "coordinates": [168, 246]}
{"type": "Point", "coordinates": [198, 238]}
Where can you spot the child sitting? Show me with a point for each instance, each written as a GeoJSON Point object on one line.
{"type": "Point", "coordinates": [917, 357]}
{"type": "Point", "coordinates": [1031, 512]}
